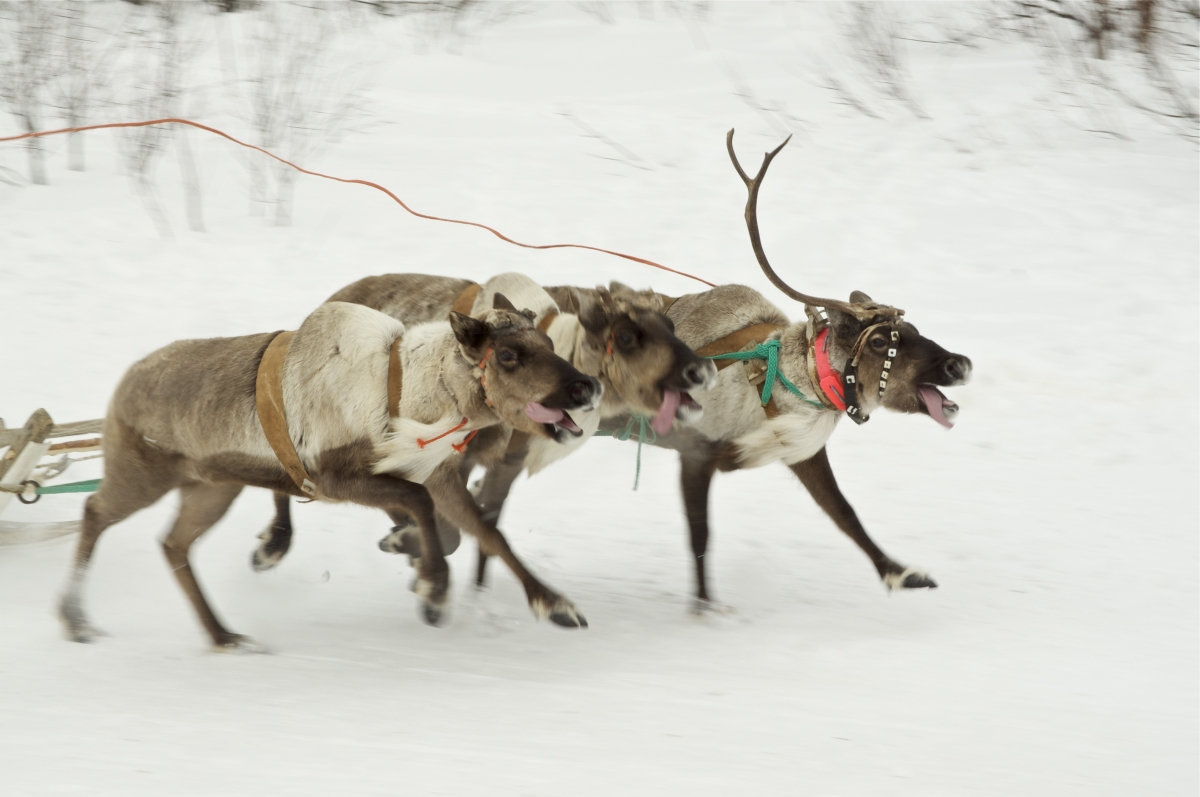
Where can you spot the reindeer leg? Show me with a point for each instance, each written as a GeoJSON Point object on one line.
{"type": "Point", "coordinates": [277, 538]}
{"type": "Point", "coordinates": [135, 476]}
{"type": "Point", "coordinates": [458, 505]}
{"type": "Point", "coordinates": [493, 492]}
{"type": "Point", "coordinates": [817, 477]}
{"type": "Point", "coordinates": [201, 505]}
{"type": "Point", "coordinates": [405, 536]}
{"type": "Point", "coordinates": [396, 497]}
{"type": "Point", "coordinates": [695, 476]}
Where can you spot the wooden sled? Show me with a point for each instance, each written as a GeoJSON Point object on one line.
{"type": "Point", "coordinates": [32, 455]}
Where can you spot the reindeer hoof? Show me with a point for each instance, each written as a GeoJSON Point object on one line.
{"type": "Point", "coordinates": [262, 561]}
{"type": "Point", "coordinates": [563, 613]}
{"type": "Point", "coordinates": [909, 578]}
{"type": "Point", "coordinates": [401, 540]}
{"type": "Point", "coordinates": [704, 607]}
{"type": "Point", "coordinates": [83, 632]}
{"type": "Point", "coordinates": [75, 623]}
{"type": "Point", "coordinates": [237, 643]}
{"type": "Point", "coordinates": [432, 613]}
{"type": "Point", "coordinates": [270, 552]}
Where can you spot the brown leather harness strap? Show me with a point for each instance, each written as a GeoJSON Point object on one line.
{"type": "Point", "coordinates": [547, 320]}
{"type": "Point", "coordinates": [736, 341]}
{"type": "Point", "coordinates": [466, 300]}
{"type": "Point", "coordinates": [268, 403]}
{"type": "Point", "coordinates": [395, 379]}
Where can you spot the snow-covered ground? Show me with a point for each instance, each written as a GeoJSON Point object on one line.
{"type": "Point", "coordinates": [1059, 655]}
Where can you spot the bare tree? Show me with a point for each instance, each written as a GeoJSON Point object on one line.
{"type": "Point", "coordinates": [154, 74]}
{"type": "Point", "coordinates": [25, 70]}
{"type": "Point", "coordinates": [301, 91]}
{"type": "Point", "coordinates": [85, 58]}
{"type": "Point", "coordinates": [1160, 35]}
{"type": "Point", "coordinates": [874, 41]}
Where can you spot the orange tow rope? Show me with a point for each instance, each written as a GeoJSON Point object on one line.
{"type": "Point", "coordinates": [368, 183]}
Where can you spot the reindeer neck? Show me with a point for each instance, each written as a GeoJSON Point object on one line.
{"type": "Point", "coordinates": [438, 381]}
{"type": "Point", "coordinates": [571, 343]}
{"type": "Point", "coordinates": [567, 335]}
{"type": "Point", "coordinates": [463, 382]}
{"type": "Point", "coordinates": [833, 368]}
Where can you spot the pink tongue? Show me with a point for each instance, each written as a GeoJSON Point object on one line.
{"type": "Point", "coordinates": [662, 422]}
{"type": "Point", "coordinates": [933, 404]}
{"type": "Point", "coordinates": [542, 414]}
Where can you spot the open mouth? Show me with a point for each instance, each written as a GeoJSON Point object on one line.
{"type": "Point", "coordinates": [676, 404]}
{"type": "Point", "coordinates": [937, 406]}
{"type": "Point", "coordinates": [558, 423]}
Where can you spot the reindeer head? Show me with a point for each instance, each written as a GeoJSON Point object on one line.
{"type": "Point", "coordinates": [895, 366]}
{"type": "Point", "coordinates": [884, 360]}
{"type": "Point", "coordinates": [641, 361]}
{"type": "Point", "coordinates": [524, 382]}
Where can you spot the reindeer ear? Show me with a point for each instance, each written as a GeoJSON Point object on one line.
{"type": "Point", "coordinates": [858, 297]}
{"type": "Point", "coordinates": [501, 302]}
{"type": "Point", "coordinates": [470, 332]}
{"type": "Point", "coordinates": [593, 313]}
{"type": "Point", "coordinates": [844, 325]}
{"type": "Point", "coordinates": [640, 299]}
{"type": "Point", "coordinates": [617, 288]}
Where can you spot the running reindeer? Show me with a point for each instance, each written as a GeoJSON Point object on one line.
{"type": "Point", "coordinates": [783, 387]}
{"type": "Point", "coordinates": [353, 407]}
{"type": "Point", "coordinates": [613, 333]}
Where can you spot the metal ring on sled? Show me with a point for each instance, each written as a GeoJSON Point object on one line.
{"type": "Point", "coordinates": [30, 495]}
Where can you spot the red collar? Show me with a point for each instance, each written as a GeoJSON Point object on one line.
{"type": "Point", "coordinates": [830, 381]}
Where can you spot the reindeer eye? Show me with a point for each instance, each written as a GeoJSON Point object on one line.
{"type": "Point", "coordinates": [879, 343]}
{"type": "Point", "coordinates": [625, 338]}
{"type": "Point", "coordinates": [507, 357]}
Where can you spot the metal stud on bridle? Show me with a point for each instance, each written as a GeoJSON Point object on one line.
{"type": "Point", "coordinates": [850, 374]}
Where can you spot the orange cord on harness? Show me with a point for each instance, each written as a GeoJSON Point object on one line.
{"type": "Point", "coordinates": [368, 183]}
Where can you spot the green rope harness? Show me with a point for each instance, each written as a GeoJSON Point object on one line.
{"type": "Point", "coordinates": [28, 492]}
{"type": "Point", "coordinates": [642, 437]}
{"type": "Point", "coordinates": [89, 486]}
{"type": "Point", "coordinates": [768, 351]}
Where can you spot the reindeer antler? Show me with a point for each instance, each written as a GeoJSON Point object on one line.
{"type": "Point", "coordinates": [863, 311]}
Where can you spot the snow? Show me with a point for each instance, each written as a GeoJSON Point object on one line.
{"type": "Point", "coordinates": [1059, 655]}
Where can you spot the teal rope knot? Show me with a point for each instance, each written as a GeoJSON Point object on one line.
{"type": "Point", "coordinates": [769, 351]}
{"type": "Point", "coordinates": [645, 434]}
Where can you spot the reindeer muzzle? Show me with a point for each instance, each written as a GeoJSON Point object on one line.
{"type": "Point", "coordinates": [677, 402]}
{"type": "Point", "coordinates": [553, 411]}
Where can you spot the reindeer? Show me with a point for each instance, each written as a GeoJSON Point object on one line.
{"type": "Point", "coordinates": [788, 386]}
{"type": "Point", "coordinates": [614, 333]}
{"type": "Point", "coordinates": [352, 406]}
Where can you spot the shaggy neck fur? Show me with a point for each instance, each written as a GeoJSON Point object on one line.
{"type": "Point", "coordinates": [440, 392]}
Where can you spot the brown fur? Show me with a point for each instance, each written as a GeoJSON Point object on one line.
{"type": "Point", "coordinates": [735, 432]}
{"type": "Point", "coordinates": [614, 333]}
{"type": "Point", "coordinates": [184, 418]}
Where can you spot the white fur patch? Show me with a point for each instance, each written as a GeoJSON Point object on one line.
{"type": "Point", "coordinates": [334, 377]}
{"type": "Point", "coordinates": [414, 450]}
{"type": "Point", "coordinates": [790, 438]}
{"type": "Point", "coordinates": [522, 291]}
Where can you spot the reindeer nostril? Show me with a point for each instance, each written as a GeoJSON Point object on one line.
{"type": "Point", "coordinates": [580, 392]}
{"type": "Point", "coordinates": [958, 368]}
